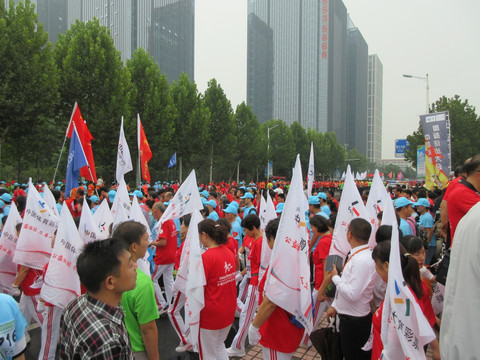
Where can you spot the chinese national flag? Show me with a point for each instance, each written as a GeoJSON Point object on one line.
{"type": "Point", "coordinates": [144, 149]}
{"type": "Point", "coordinates": [390, 175]}
{"type": "Point", "coordinates": [86, 140]}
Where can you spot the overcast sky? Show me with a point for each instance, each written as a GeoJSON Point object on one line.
{"type": "Point", "coordinates": [438, 37]}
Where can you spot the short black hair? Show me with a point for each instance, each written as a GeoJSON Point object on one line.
{"type": "Point", "coordinates": [130, 232]}
{"type": "Point", "coordinates": [472, 165]}
{"type": "Point", "coordinates": [272, 228]}
{"type": "Point", "coordinates": [320, 223]}
{"type": "Point", "coordinates": [98, 260]}
{"type": "Point", "coordinates": [360, 229]}
{"type": "Point", "coordinates": [217, 232]}
{"type": "Point", "coordinates": [251, 221]}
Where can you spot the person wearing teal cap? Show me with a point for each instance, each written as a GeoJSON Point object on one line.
{"type": "Point", "coordinates": [231, 212]}
{"type": "Point", "coordinates": [211, 206]}
{"type": "Point", "coordinates": [404, 209]}
{"type": "Point", "coordinates": [425, 228]}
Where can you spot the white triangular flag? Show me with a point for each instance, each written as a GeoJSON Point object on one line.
{"type": "Point", "coordinates": [194, 299]}
{"type": "Point", "coordinates": [375, 204]}
{"type": "Point", "coordinates": [267, 213]}
{"type": "Point", "coordinates": [50, 200]}
{"type": "Point", "coordinates": [87, 226]}
{"type": "Point", "coordinates": [137, 215]}
{"type": "Point", "coordinates": [121, 204]}
{"type": "Point", "coordinates": [61, 283]}
{"type": "Point", "coordinates": [38, 229]}
{"type": "Point", "coordinates": [405, 330]}
{"type": "Point", "coordinates": [351, 207]}
{"type": "Point", "coordinates": [124, 161]}
{"type": "Point", "coordinates": [186, 200]}
{"type": "Point", "coordinates": [103, 219]}
{"type": "Point", "coordinates": [311, 171]}
{"type": "Point", "coordinates": [289, 286]}
{"type": "Point", "coordinates": [8, 244]}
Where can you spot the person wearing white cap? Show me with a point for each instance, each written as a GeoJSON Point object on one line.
{"type": "Point", "coordinates": [403, 207]}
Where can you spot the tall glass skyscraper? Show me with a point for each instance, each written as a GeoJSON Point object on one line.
{"type": "Point", "coordinates": [309, 61]}
{"type": "Point", "coordinates": [375, 89]}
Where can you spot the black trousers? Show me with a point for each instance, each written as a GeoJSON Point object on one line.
{"type": "Point", "coordinates": [354, 333]}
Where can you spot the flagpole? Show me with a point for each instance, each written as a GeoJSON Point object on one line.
{"type": "Point", "coordinates": [64, 141]}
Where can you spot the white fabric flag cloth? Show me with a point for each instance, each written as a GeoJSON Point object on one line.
{"type": "Point", "coordinates": [8, 244]}
{"type": "Point", "coordinates": [460, 319]}
{"type": "Point", "coordinates": [50, 200]}
{"type": "Point", "coordinates": [375, 204]}
{"type": "Point", "coordinates": [351, 207]}
{"type": "Point", "coordinates": [311, 171]}
{"type": "Point", "coordinates": [136, 214]}
{"type": "Point", "coordinates": [288, 277]}
{"type": "Point", "coordinates": [103, 219]}
{"type": "Point", "coordinates": [194, 299]}
{"type": "Point", "coordinates": [186, 200]}
{"type": "Point", "coordinates": [87, 227]}
{"type": "Point", "coordinates": [61, 283]}
{"type": "Point", "coordinates": [124, 161]}
{"type": "Point", "coordinates": [438, 298]}
{"type": "Point", "coordinates": [121, 205]}
{"type": "Point", "coordinates": [38, 229]}
{"type": "Point", "coordinates": [343, 175]}
{"type": "Point", "coordinates": [405, 330]}
{"type": "Point", "coordinates": [267, 213]}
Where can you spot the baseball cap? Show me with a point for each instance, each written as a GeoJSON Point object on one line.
{"type": "Point", "coordinates": [234, 203]}
{"type": "Point", "coordinates": [422, 202]}
{"type": "Point", "coordinates": [231, 209]}
{"type": "Point", "coordinates": [313, 200]}
{"type": "Point", "coordinates": [111, 195]}
{"type": "Point", "coordinates": [205, 194]}
{"type": "Point", "coordinates": [280, 208]}
{"type": "Point", "coordinates": [6, 197]}
{"type": "Point", "coordinates": [138, 194]}
{"type": "Point", "coordinates": [247, 196]}
{"type": "Point", "coordinates": [401, 202]}
{"type": "Point", "coordinates": [212, 203]}
{"type": "Point", "coordinates": [94, 199]}
{"type": "Point", "coordinates": [322, 195]}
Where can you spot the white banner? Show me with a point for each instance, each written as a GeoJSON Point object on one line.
{"type": "Point", "coordinates": [375, 204]}
{"type": "Point", "coordinates": [87, 227]}
{"type": "Point", "coordinates": [311, 171]}
{"type": "Point", "coordinates": [103, 219]}
{"type": "Point", "coordinates": [289, 286]}
{"type": "Point", "coordinates": [50, 200]}
{"type": "Point", "coordinates": [61, 283]}
{"type": "Point", "coordinates": [121, 204]}
{"type": "Point", "coordinates": [8, 244]}
{"type": "Point", "coordinates": [124, 161]}
{"type": "Point", "coordinates": [136, 214]}
{"type": "Point", "coordinates": [38, 229]}
{"type": "Point", "coordinates": [267, 213]}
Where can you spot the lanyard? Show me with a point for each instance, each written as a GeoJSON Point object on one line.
{"type": "Point", "coordinates": [355, 253]}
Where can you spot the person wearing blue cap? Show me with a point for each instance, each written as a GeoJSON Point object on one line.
{"type": "Point", "coordinates": [404, 209]}
{"type": "Point", "coordinates": [211, 206]}
{"type": "Point", "coordinates": [323, 203]}
{"type": "Point", "coordinates": [314, 207]}
{"type": "Point", "coordinates": [279, 209]}
{"type": "Point", "coordinates": [231, 215]}
{"type": "Point", "coordinates": [138, 196]}
{"type": "Point", "coordinates": [249, 208]}
{"type": "Point", "coordinates": [95, 203]}
{"type": "Point", "coordinates": [111, 197]}
{"type": "Point", "coordinates": [425, 227]}
{"type": "Point", "coordinates": [7, 199]}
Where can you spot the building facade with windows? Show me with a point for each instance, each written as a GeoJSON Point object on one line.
{"type": "Point", "coordinates": [374, 108]}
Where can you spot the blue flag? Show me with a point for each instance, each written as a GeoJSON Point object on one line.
{"type": "Point", "coordinates": [76, 160]}
{"type": "Point", "coordinates": [173, 160]}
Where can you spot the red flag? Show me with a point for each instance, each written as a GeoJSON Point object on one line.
{"type": "Point", "coordinates": [390, 175]}
{"type": "Point", "coordinates": [144, 149]}
{"type": "Point", "coordinates": [86, 140]}
{"type": "Point", "coordinates": [399, 176]}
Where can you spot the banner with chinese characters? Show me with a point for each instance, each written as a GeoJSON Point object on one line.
{"type": "Point", "coordinates": [421, 161]}
{"type": "Point", "coordinates": [436, 129]}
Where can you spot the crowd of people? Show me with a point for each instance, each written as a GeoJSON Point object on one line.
{"type": "Point", "coordinates": [115, 317]}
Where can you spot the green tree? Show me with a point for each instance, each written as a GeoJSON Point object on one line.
{"type": "Point", "coordinates": [192, 126]}
{"type": "Point", "coordinates": [302, 145]}
{"type": "Point", "coordinates": [28, 88]}
{"type": "Point", "coordinates": [358, 162]}
{"type": "Point", "coordinates": [222, 131]}
{"type": "Point", "coordinates": [464, 130]}
{"type": "Point", "coordinates": [282, 147]}
{"type": "Point", "coordinates": [250, 144]}
{"type": "Point", "coordinates": [150, 97]}
{"type": "Point", "coordinates": [92, 74]}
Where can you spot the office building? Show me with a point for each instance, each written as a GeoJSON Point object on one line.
{"type": "Point", "coordinates": [374, 109]}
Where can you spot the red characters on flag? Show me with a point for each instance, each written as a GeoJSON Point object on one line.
{"type": "Point", "coordinates": [144, 149]}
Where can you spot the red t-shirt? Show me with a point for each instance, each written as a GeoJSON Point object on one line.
{"type": "Point", "coordinates": [277, 332]}
{"type": "Point", "coordinates": [462, 199]}
{"type": "Point", "coordinates": [220, 291]}
{"type": "Point", "coordinates": [166, 254]}
{"type": "Point", "coordinates": [32, 284]}
{"type": "Point", "coordinates": [232, 245]}
{"type": "Point", "coordinates": [451, 186]}
{"type": "Point", "coordinates": [319, 255]}
{"type": "Point", "coordinates": [426, 305]}
{"type": "Point", "coordinates": [255, 257]}
{"type": "Point", "coordinates": [178, 255]}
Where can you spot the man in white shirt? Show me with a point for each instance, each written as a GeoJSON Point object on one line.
{"type": "Point", "coordinates": [354, 292]}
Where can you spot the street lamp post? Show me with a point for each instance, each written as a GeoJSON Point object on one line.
{"type": "Point", "coordinates": [425, 78]}
{"type": "Point", "coordinates": [268, 148]}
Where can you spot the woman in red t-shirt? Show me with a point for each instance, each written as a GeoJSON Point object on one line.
{"type": "Point", "coordinates": [411, 274]}
{"type": "Point", "coordinates": [273, 326]}
{"type": "Point", "coordinates": [220, 291]}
